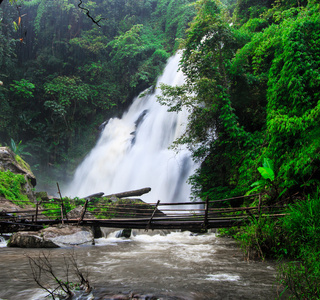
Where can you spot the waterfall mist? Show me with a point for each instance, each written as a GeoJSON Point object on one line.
{"type": "Point", "coordinates": [132, 152]}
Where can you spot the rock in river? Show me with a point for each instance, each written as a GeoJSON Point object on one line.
{"type": "Point", "coordinates": [53, 237]}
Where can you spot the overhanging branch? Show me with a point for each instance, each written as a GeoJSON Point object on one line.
{"type": "Point", "coordinates": [87, 13]}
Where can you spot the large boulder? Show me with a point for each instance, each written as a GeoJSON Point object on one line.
{"type": "Point", "coordinates": [9, 161]}
{"type": "Point", "coordinates": [30, 240]}
{"type": "Point", "coordinates": [127, 208]}
{"type": "Point", "coordinates": [77, 211]}
{"type": "Point", "coordinates": [53, 237]}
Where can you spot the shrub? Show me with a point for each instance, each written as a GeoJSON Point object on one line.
{"type": "Point", "coordinates": [302, 225]}
{"type": "Point", "coordinates": [302, 228]}
{"type": "Point", "coordinates": [11, 188]}
{"type": "Point", "coordinates": [260, 238]}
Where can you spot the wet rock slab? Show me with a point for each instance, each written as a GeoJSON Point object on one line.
{"type": "Point", "coordinates": [30, 240]}
{"type": "Point", "coordinates": [138, 296]}
{"type": "Point", "coordinates": [53, 237]}
{"type": "Point", "coordinates": [105, 293]}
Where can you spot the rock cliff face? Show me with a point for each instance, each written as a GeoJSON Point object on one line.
{"type": "Point", "coordinates": [9, 161]}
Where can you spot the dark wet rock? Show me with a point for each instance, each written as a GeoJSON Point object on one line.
{"type": "Point", "coordinates": [43, 196]}
{"type": "Point", "coordinates": [129, 207]}
{"type": "Point", "coordinates": [133, 296]}
{"type": "Point", "coordinates": [117, 297]}
{"type": "Point", "coordinates": [141, 118]}
{"type": "Point", "coordinates": [126, 233]}
{"type": "Point", "coordinates": [103, 125]}
{"type": "Point", "coordinates": [53, 237]}
{"type": "Point", "coordinates": [130, 297]}
{"type": "Point", "coordinates": [97, 232]}
{"type": "Point", "coordinates": [76, 213]}
{"type": "Point", "coordinates": [29, 240]}
{"type": "Point", "coordinates": [138, 122]}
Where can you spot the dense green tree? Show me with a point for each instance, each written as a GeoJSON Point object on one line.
{"type": "Point", "coordinates": [293, 100]}
{"type": "Point", "coordinates": [254, 94]}
{"type": "Point", "coordinates": [246, 10]}
{"type": "Point", "coordinates": [7, 63]}
{"type": "Point", "coordinates": [79, 68]}
{"type": "Point", "coordinates": [172, 17]}
{"type": "Point", "coordinates": [216, 134]}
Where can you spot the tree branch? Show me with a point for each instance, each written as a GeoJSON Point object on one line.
{"type": "Point", "coordinates": [43, 270]}
{"type": "Point", "coordinates": [88, 14]}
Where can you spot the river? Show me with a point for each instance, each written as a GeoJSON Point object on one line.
{"type": "Point", "coordinates": [174, 265]}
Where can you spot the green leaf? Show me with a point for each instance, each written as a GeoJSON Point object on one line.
{"type": "Point", "coordinates": [268, 163]}
{"type": "Point", "coordinates": [282, 192]}
{"type": "Point", "coordinates": [255, 189]}
{"type": "Point", "coordinates": [258, 183]}
{"type": "Point", "coordinates": [16, 27]}
{"type": "Point", "coordinates": [266, 173]}
{"type": "Point", "coordinates": [13, 146]}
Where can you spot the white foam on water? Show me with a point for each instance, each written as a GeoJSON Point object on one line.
{"type": "Point", "coordinates": [223, 277]}
{"type": "Point", "coordinates": [3, 242]}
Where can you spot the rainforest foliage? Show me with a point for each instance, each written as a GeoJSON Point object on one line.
{"type": "Point", "coordinates": [62, 74]}
{"type": "Point", "coordinates": [11, 187]}
{"type": "Point", "coordinates": [253, 92]}
{"type": "Point", "coordinates": [252, 89]}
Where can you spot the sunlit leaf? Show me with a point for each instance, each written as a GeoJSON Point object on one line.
{"type": "Point", "coordinates": [16, 26]}
{"type": "Point", "coordinates": [266, 173]}
{"type": "Point", "coordinates": [268, 163]}
{"type": "Point", "coordinates": [258, 183]}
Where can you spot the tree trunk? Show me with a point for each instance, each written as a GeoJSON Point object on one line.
{"type": "Point", "coordinates": [131, 193]}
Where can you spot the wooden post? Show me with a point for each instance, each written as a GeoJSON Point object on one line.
{"type": "Point", "coordinates": [83, 212]}
{"type": "Point", "coordinates": [259, 205]}
{"type": "Point", "coordinates": [205, 223]}
{"type": "Point", "coordinates": [154, 211]}
{"type": "Point", "coordinates": [62, 208]}
{"type": "Point", "coordinates": [37, 208]}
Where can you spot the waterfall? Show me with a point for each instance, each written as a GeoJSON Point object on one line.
{"type": "Point", "coordinates": [132, 152]}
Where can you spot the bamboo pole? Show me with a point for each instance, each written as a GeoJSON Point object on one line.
{"type": "Point", "coordinates": [155, 209]}
{"type": "Point", "coordinates": [83, 212]}
{"type": "Point", "coordinates": [259, 205]}
{"type": "Point", "coordinates": [205, 222]}
{"type": "Point", "coordinates": [37, 209]}
{"type": "Point", "coordinates": [62, 208]}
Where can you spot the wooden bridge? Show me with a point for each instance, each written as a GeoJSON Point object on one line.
{"type": "Point", "coordinates": [193, 216]}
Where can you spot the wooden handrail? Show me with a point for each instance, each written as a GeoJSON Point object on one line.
{"type": "Point", "coordinates": [154, 211]}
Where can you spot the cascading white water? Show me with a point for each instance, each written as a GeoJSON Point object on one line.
{"type": "Point", "coordinates": [3, 242]}
{"type": "Point", "coordinates": [133, 153]}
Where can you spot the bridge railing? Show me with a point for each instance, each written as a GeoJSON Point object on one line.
{"type": "Point", "coordinates": [207, 213]}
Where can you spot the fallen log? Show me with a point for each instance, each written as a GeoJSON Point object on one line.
{"type": "Point", "coordinates": [97, 195]}
{"type": "Point", "coordinates": [133, 193]}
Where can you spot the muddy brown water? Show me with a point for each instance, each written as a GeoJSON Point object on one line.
{"type": "Point", "coordinates": [176, 265]}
